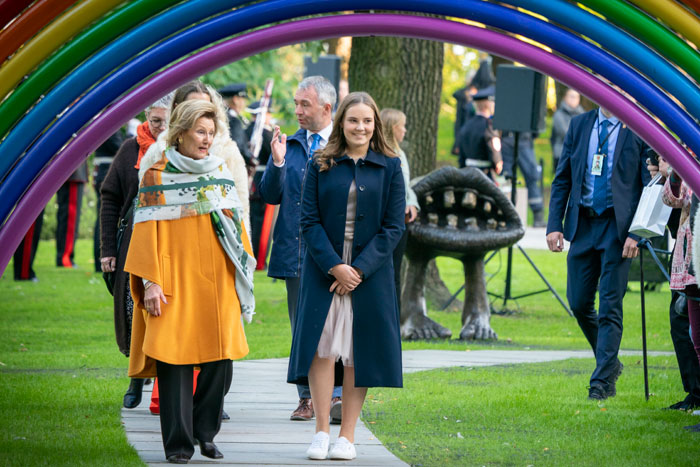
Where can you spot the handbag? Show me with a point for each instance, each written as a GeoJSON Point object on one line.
{"type": "Point", "coordinates": [111, 277]}
{"type": "Point", "coordinates": [652, 214]}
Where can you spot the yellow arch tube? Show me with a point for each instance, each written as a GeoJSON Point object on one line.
{"type": "Point", "coordinates": [50, 39]}
{"type": "Point", "coordinates": [675, 16]}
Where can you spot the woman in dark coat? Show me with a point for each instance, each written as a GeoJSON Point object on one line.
{"type": "Point", "coordinates": [347, 326]}
{"type": "Point", "coordinates": [117, 193]}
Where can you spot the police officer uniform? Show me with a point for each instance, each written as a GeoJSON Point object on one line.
{"type": "Point", "coordinates": [70, 199]}
{"type": "Point", "coordinates": [236, 122]}
{"type": "Point", "coordinates": [479, 143]}
{"type": "Point", "coordinates": [257, 205]}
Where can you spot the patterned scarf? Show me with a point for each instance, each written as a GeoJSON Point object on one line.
{"type": "Point", "coordinates": [144, 138]}
{"type": "Point", "coordinates": [177, 187]}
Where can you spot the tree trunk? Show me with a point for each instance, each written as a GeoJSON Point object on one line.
{"type": "Point", "coordinates": [406, 74]}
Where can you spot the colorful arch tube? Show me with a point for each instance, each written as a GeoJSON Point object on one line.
{"type": "Point", "coordinates": [503, 18]}
{"type": "Point", "coordinates": [680, 19]}
{"type": "Point", "coordinates": [51, 37]}
{"type": "Point", "coordinates": [97, 66]}
{"type": "Point", "coordinates": [29, 23]}
{"type": "Point", "coordinates": [99, 130]}
{"type": "Point", "coordinates": [9, 9]}
{"type": "Point", "coordinates": [58, 65]}
{"type": "Point", "coordinates": [635, 52]}
{"type": "Point", "coordinates": [653, 33]}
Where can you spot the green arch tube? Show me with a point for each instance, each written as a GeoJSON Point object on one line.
{"type": "Point", "coordinates": [59, 64]}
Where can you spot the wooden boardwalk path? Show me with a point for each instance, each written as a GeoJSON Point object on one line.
{"type": "Point", "coordinates": [260, 402]}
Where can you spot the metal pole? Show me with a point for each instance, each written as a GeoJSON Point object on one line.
{"type": "Point", "coordinates": [513, 199]}
{"type": "Point", "coordinates": [644, 325]}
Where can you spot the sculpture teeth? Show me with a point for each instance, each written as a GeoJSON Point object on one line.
{"type": "Point", "coordinates": [487, 207]}
{"type": "Point", "coordinates": [491, 224]}
{"type": "Point", "coordinates": [452, 221]}
{"type": "Point", "coordinates": [471, 223]}
{"type": "Point", "coordinates": [432, 219]}
{"type": "Point", "coordinates": [428, 199]}
{"type": "Point", "coordinates": [499, 213]}
{"type": "Point", "coordinates": [469, 200]}
{"type": "Point", "coordinates": [448, 198]}
{"type": "Point", "coordinates": [502, 225]}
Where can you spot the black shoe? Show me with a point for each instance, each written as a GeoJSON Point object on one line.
{"type": "Point", "coordinates": [695, 428]}
{"type": "Point", "coordinates": [178, 459]}
{"type": "Point", "coordinates": [132, 398]}
{"type": "Point", "coordinates": [209, 449]}
{"type": "Point", "coordinates": [612, 387]}
{"type": "Point", "coordinates": [596, 392]}
{"type": "Point", "coordinates": [225, 416]}
{"type": "Point", "coordinates": [689, 403]}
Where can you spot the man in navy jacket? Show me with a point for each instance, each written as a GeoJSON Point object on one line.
{"type": "Point", "coordinates": [282, 184]}
{"type": "Point", "coordinates": [595, 193]}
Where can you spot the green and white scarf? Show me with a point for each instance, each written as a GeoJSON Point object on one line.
{"type": "Point", "coordinates": [177, 187]}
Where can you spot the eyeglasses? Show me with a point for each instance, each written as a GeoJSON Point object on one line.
{"type": "Point", "coordinates": [157, 122]}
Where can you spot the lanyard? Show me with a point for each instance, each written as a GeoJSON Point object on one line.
{"type": "Point", "coordinates": [602, 143]}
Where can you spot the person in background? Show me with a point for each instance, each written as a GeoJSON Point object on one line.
{"type": "Point", "coordinates": [189, 301]}
{"type": "Point", "coordinates": [117, 193]}
{"type": "Point", "coordinates": [281, 184]}
{"type": "Point", "coordinates": [70, 200]}
{"type": "Point", "coordinates": [394, 124]}
{"type": "Point", "coordinates": [101, 163]}
{"type": "Point", "coordinates": [569, 108]}
{"type": "Point", "coordinates": [530, 169]}
{"type": "Point", "coordinates": [236, 97]}
{"type": "Point", "coordinates": [593, 209]}
{"type": "Point", "coordinates": [347, 327]}
{"type": "Point", "coordinates": [23, 259]}
{"type": "Point", "coordinates": [685, 327]}
{"type": "Point", "coordinates": [257, 205]}
{"type": "Point", "coordinates": [222, 147]}
{"type": "Point", "coordinates": [479, 143]}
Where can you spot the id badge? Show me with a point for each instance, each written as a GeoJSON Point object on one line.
{"type": "Point", "coordinates": [598, 161]}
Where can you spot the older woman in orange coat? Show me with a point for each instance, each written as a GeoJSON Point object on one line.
{"type": "Point", "coordinates": [191, 268]}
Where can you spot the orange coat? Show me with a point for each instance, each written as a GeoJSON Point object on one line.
{"type": "Point", "coordinates": [202, 320]}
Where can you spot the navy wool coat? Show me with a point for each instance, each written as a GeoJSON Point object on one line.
{"type": "Point", "coordinates": [379, 224]}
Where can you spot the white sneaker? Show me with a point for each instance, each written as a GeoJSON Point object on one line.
{"type": "Point", "coordinates": [343, 449]}
{"type": "Point", "coordinates": [319, 446]}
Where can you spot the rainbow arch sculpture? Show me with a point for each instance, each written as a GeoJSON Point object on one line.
{"type": "Point", "coordinates": [88, 66]}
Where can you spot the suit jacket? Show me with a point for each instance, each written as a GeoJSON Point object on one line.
{"type": "Point", "coordinates": [629, 176]}
{"type": "Point", "coordinates": [238, 135]}
{"type": "Point", "coordinates": [283, 185]}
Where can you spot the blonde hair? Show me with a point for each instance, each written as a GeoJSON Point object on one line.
{"type": "Point", "coordinates": [186, 115]}
{"type": "Point", "coordinates": [390, 118]}
{"type": "Point", "coordinates": [337, 145]}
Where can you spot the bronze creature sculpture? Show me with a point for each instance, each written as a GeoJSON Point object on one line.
{"type": "Point", "coordinates": [463, 215]}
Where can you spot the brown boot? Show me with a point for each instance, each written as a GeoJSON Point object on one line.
{"type": "Point", "coordinates": [304, 412]}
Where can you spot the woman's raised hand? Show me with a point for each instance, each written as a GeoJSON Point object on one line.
{"type": "Point", "coordinates": [278, 146]}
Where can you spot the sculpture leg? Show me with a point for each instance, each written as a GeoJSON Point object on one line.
{"type": "Point", "coordinates": [415, 323]}
{"type": "Point", "coordinates": [476, 315]}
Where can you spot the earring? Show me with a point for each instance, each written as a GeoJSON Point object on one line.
{"type": "Point", "coordinates": [179, 141]}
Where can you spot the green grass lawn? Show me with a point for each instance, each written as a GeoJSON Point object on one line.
{"type": "Point", "coordinates": [62, 377]}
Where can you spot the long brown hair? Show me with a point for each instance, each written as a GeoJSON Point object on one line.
{"type": "Point", "coordinates": [337, 145]}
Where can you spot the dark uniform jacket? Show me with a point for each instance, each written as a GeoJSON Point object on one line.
{"type": "Point", "coordinates": [477, 146]}
{"type": "Point", "coordinates": [237, 130]}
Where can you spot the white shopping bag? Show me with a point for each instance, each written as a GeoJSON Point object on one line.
{"type": "Point", "coordinates": [652, 214]}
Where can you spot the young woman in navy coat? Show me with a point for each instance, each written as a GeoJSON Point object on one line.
{"type": "Point", "coordinates": [347, 326]}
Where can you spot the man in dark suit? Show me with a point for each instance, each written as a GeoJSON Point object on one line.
{"type": "Point", "coordinates": [70, 201]}
{"type": "Point", "coordinates": [595, 193]}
